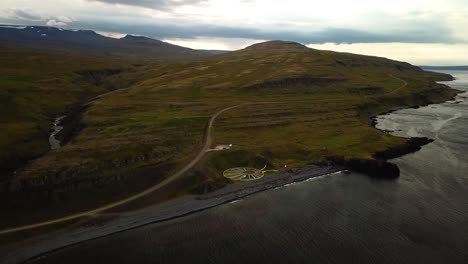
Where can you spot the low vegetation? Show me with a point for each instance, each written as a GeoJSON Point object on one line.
{"type": "Point", "coordinates": [39, 87]}
{"type": "Point", "coordinates": [301, 106]}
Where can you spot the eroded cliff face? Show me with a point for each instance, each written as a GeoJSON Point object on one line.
{"type": "Point", "coordinates": [83, 176]}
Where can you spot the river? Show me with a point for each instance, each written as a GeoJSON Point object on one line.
{"type": "Point", "coordinates": [56, 128]}
{"type": "Point", "coordinates": [420, 218]}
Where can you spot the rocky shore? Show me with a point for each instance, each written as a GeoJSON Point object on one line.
{"type": "Point", "coordinates": [375, 168]}
{"type": "Point", "coordinates": [379, 167]}
{"type": "Point", "coordinates": [101, 225]}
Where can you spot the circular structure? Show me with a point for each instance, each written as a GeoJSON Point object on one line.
{"type": "Point", "coordinates": [244, 174]}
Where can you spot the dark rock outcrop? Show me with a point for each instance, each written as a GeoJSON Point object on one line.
{"type": "Point", "coordinates": [375, 168]}
{"type": "Point", "coordinates": [410, 146]}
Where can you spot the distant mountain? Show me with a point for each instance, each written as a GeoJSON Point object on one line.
{"type": "Point", "coordinates": [85, 42]}
{"type": "Point", "coordinates": [448, 68]}
{"type": "Point", "coordinates": [215, 52]}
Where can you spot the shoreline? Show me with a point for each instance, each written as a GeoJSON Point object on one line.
{"type": "Point", "coordinates": [244, 189]}
{"type": "Point", "coordinates": [160, 213]}
{"type": "Point", "coordinates": [412, 144]}
{"type": "Point", "coordinates": [379, 167]}
{"type": "Point", "coordinates": [182, 207]}
{"type": "Point", "coordinates": [376, 168]}
{"type": "Point", "coordinates": [187, 206]}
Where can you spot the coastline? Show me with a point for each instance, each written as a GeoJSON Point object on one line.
{"type": "Point", "coordinates": [372, 121]}
{"type": "Point", "coordinates": [243, 189]}
{"type": "Point", "coordinates": [193, 204]}
{"type": "Point", "coordinates": [92, 228]}
{"type": "Point", "coordinates": [412, 144]}
{"type": "Point", "coordinates": [379, 166]}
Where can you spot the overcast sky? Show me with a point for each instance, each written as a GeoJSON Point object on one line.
{"type": "Point", "coordinates": [418, 31]}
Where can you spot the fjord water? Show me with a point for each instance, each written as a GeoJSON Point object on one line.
{"type": "Point", "coordinates": [420, 218]}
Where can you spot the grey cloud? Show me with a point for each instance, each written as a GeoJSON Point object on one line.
{"type": "Point", "coordinates": [55, 23]}
{"type": "Point", "coordinates": [431, 29]}
{"type": "Point", "coordinates": [415, 34]}
{"type": "Point", "coordinates": [22, 16]}
{"type": "Point", "coordinates": [26, 15]}
{"type": "Point", "coordinates": [154, 4]}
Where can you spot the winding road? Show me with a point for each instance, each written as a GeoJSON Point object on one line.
{"type": "Point", "coordinates": [403, 85]}
{"type": "Point", "coordinates": [206, 146]}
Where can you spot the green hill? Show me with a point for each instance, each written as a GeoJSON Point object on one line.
{"type": "Point", "coordinates": [300, 106]}
{"type": "Point", "coordinates": [47, 72]}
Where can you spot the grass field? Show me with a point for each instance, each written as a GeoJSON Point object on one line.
{"type": "Point", "coordinates": [37, 87]}
{"type": "Point", "coordinates": [311, 105]}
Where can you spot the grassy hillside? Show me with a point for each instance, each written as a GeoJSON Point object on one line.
{"type": "Point", "coordinates": [37, 87]}
{"type": "Point", "coordinates": [300, 106]}
{"type": "Point", "coordinates": [46, 72]}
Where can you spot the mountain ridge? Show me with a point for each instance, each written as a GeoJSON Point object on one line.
{"type": "Point", "coordinates": [89, 42]}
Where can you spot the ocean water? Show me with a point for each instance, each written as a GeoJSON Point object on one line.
{"type": "Point", "coordinates": [420, 218]}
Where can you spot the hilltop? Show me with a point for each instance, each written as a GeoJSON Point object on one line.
{"type": "Point", "coordinates": [298, 106]}
{"type": "Point", "coordinates": [276, 45]}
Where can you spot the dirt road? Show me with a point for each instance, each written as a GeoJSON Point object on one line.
{"type": "Point", "coordinates": [207, 143]}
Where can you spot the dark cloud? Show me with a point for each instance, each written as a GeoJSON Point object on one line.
{"type": "Point", "coordinates": [154, 4]}
{"type": "Point", "coordinates": [416, 34]}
